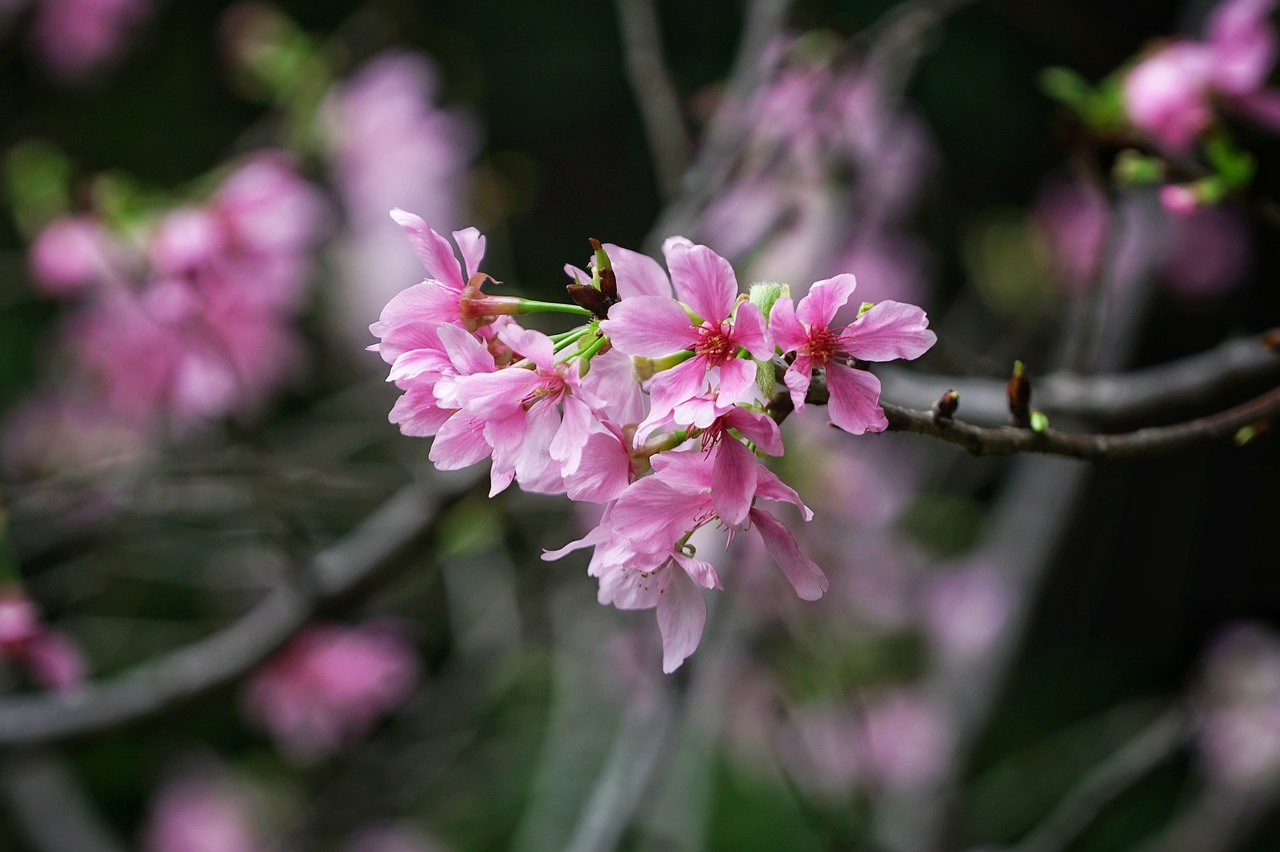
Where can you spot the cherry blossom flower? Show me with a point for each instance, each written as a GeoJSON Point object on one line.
{"type": "Point", "coordinates": [885, 332]}
{"type": "Point", "coordinates": [329, 687]}
{"type": "Point", "coordinates": [52, 660]}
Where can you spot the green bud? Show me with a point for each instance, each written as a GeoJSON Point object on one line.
{"type": "Point", "coordinates": [1039, 422]}
{"type": "Point", "coordinates": [864, 307]}
{"type": "Point", "coordinates": [1135, 169]}
{"type": "Point", "coordinates": [763, 296]}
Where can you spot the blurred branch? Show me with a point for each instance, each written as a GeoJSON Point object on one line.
{"type": "Point", "coordinates": [899, 40]}
{"type": "Point", "coordinates": [337, 579]}
{"type": "Point", "coordinates": [49, 808]}
{"type": "Point", "coordinates": [655, 95]}
{"type": "Point", "coordinates": [1153, 745]}
{"type": "Point", "coordinates": [720, 144]}
{"type": "Point", "coordinates": [1102, 398]}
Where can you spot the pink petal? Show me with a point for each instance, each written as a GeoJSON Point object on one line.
{"type": "Point", "coordinates": [733, 481]}
{"type": "Point", "coordinates": [653, 515]}
{"type": "Point", "coordinates": [672, 387]}
{"type": "Point", "coordinates": [418, 361]}
{"type": "Point", "coordinates": [638, 274]}
{"type": "Point", "coordinates": [703, 573]}
{"type": "Point", "coordinates": [854, 405]}
{"type": "Point", "coordinates": [788, 333]}
{"type": "Point", "coordinates": [566, 447]}
{"type": "Point", "coordinates": [798, 377]}
{"type": "Point", "coordinates": [534, 345]}
{"type": "Point", "coordinates": [749, 331]}
{"type": "Point", "coordinates": [704, 281]}
{"type": "Point", "coordinates": [1244, 44]}
{"type": "Point", "coordinates": [825, 297]}
{"type": "Point", "coordinates": [598, 535]}
{"type": "Point", "coordinates": [682, 615]}
{"type": "Point", "coordinates": [471, 242]}
{"type": "Point", "coordinates": [432, 249]}
{"type": "Point", "coordinates": [496, 395]}
{"type": "Point", "coordinates": [1261, 107]}
{"type": "Point", "coordinates": [467, 353]}
{"type": "Point", "coordinates": [770, 487]}
{"type": "Point", "coordinates": [758, 428]}
{"type": "Point", "coordinates": [417, 414]}
{"type": "Point", "coordinates": [805, 577]}
{"type": "Point", "coordinates": [649, 326]}
{"type": "Point", "coordinates": [737, 381]}
{"type": "Point", "coordinates": [604, 471]}
{"type": "Point", "coordinates": [889, 330]}
{"type": "Point", "coordinates": [686, 471]}
{"type": "Point", "coordinates": [459, 443]}
{"type": "Point", "coordinates": [541, 425]}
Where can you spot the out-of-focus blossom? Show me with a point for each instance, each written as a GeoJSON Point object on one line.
{"type": "Point", "coordinates": [330, 686]}
{"type": "Point", "coordinates": [966, 610]}
{"type": "Point", "coordinates": [904, 741]}
{"type": "Point", "coordinates": [392, 146]}
{"type": "Point", "coordinates": [203, 810]}
{"type": "Point", "coordinates": [1072, 219]}
{"type": "Point", "coordinates": [70, 255]}
{"type": "Point", "coordinates": [74, 38]}
{"type": "Point", "coordinates": [1171, 93]}
{"type": "Point", "coordinates": [51, 659]}
{"type": "Point", "coordinates": [392, 837]}
{"type": "Point", "coordinates": [1208, 253]}
{"type": "Point", "coordinates": [1239, 708]}
{"type": "Point", "coordinates": [185, 325]}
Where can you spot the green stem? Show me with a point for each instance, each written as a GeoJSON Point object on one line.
{"type": "Point", "coordinates": [568, 338]}
{"type": "Point", "coordinates": [530, 306]}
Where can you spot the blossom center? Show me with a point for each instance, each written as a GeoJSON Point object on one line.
{"type": "Point", "coordinates": [824, 345]}
{"type": "Point", "coordinates": [714, 344]}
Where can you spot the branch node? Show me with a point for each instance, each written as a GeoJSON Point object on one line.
{"type": "Point", "coordinates": [1019, 390]}
{"type": "Point", "coordinates": [945, 408]}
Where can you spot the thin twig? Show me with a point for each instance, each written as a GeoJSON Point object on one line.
{"type": "Point", "coordinates": [1152, 746]}
{"type": "Point", "coordinates": [49, 808]}
{"type": "Point", "coordinates": [1118, 397]}
{"type": "Point", "coordinates": [654, 92]}
{"type": "Point", "coordinates": [337, 579]}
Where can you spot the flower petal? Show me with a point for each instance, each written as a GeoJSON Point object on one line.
{"type": "Point", "coordinates": [637, 274]}
{"type": "Point", "coordinates": [471, 242]}
{"type": "Point", "coordinates": [649, 327]}
{"type": "Point", "coordinates": [788, 334]}
{"type": "Point", "coordinates": [432, 249]}
{"type": "Point", "coordinates": [733, 481]}
{"type": "Point", "coordinates": [825, 297]}
{"type": "Point", "coordinates": [682, 615]}
{"type": "Point", "coordinates": [887, 331]}
{"type": "Point", "coordinates": [703, 280]}
{"type": "Point", "coordinates": [854, 405]}
{"type": "Point", "coordinates": [805, 576]}
{"type": "Point", "coordinates": [750, 333]}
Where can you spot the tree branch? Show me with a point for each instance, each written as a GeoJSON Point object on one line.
{"type": "Point", "coordinates": [1102, 399]}
{"type": "Point", "coordinates": [336, 580]}
{"type": "Point", "coordinates": [654, 92]}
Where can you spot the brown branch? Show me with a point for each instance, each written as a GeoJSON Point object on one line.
{"type": "Point", "coordinates": [1005, 440]}
{"type": "Point", "coordinates": [336, 580]}
{"type": "Point", "coordinates": [1118, 397]}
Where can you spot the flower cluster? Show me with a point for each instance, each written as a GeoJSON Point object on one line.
{"type": "Point", "coordinates": [183, 318]}
{"type": "Point", "coordinates": [656, 408]}
{"type": "Point", "coordinates": [1172, 92]}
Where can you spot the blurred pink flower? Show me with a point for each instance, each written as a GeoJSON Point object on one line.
{"type": "Point", "coordinates": [904, 741]}
{"type": "Point", "coordinates": [74, 38]}
{"type": "Point", "coordinates": [1239, 708]}
{"type": "Point", "coordinates": [1208, 253]}
{"type": "Point", "coordinates": [330, 686]}
{"type": "Point", "coordinates": [69, 255]}
{"type": "Point", "coordinates": [1170, 94]}
{"type": "Point", "coordinates": [51, 659]}
{"type": "Point", "coordinates": [1072, 219]}
{"type": "Point", "coordinates": [965, 610]}
{"type": "Point", "coordinates": [202, 811]}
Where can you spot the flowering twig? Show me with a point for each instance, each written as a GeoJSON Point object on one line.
{"type": "Point", "coordinates": [336, 579]}
{"type": "Point", "coordinates": [1159, 740]}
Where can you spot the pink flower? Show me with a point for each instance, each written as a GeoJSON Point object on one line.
{"type": "Point", "coordinates": [70, 255]}
{"type": "Point", "coordinates": [439, 298]}
{"type": "Point", "coordinates": [1072, 219]}
{"type": "Point", "coordinates": [653, 326]}
{"type": "Point", "coordinates": [641, 556]}
{"type": "Point", "coordinates": [1239, 708]}
{"type": "Point", "coordinates": [330, 686]}
{"type": "Point", "coordinates": [966, 610]}
{"type": "Point", "coordinates": [904, 741]}
{"type": "Point", "coordinates": [203, 810]}
{"type": "Point", "coordinates": [74, 38]}
{"type": "Point", "coordinates": [52, 660]}
{"type": "Point", "coordinates": [1168, 94]}
{"type": "Point", "coordinates": [887, 331]}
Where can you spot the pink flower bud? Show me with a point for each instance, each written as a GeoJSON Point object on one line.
{"type": "Point", "coordinates": [69, 255]}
